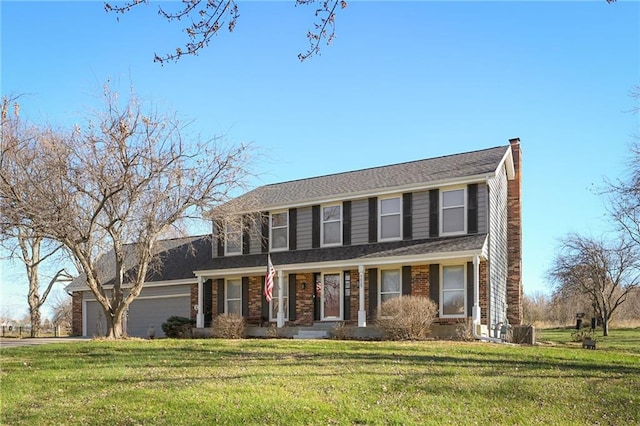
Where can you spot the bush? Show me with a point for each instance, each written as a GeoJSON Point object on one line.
{"type": "Point", "coordinates": [406, 318]}
{"type": "Point", "coordinates": [228, 326]}
{"type": "Point", "coordinates": [178, 327]}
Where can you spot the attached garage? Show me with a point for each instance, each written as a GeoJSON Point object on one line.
{"type": "Point", "coordinates": [150, 309]}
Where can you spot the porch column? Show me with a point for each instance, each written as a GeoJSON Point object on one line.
{"type": "Point", "coordinates": [200, 314]}
{"type": "Point", "coordinates": [362, 314]}
{"type": "Point", "coordinates": [280, 317]}
{"type": "Point", "coordinates": [476, 294]}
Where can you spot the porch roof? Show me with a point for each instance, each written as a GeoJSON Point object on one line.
{"type": "Point", "coordinates": [410, 251]}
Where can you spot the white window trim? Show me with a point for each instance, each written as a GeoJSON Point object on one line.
{"type": "Point", "coordinates": [322, 222]}
{"type": "Point", "coordinates": [226, 251]}
{"type": "Point", "coordinates": [464, 209]}
{"type": "Point", "coordinates": [226, 294]}
{"type": "Point", "coordinates": [399, 269]}
{"type": "Point", "coordinates": [322, 313]}
{"type": "Point", "coordinates": [380, 215]}
{"type": "Point", "coordinates": [285, 299]}
{"type": "Point", "coordinates": [464, 288]}
{"type": "Point", "coordinates": [271, 231]}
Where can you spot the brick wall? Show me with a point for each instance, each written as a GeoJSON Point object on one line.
{"type": "Point", "coordinates": [514, 239]}
{"type": "Point", "coordinates": [76, 313]}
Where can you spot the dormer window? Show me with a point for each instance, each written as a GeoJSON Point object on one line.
{"type": "Point", "coordinates": [279, 231]}
{"type": "Point", "coordinates": [331, 225]}
{"type": "Point", "coordinates": [390, 223]}
{"type": "Point", "coordinates": [233, 237]}
{"type": "Point", "coordinates": [453, 212]}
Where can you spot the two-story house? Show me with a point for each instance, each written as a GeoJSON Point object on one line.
{"type": "Point", "coordinates": [446, 228]}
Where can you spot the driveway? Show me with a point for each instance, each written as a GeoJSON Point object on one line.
{"type": "Point", "coordinates": [28, 341]}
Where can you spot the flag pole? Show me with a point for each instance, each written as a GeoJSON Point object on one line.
{"type": "Point", "coordinates": [280, 317]}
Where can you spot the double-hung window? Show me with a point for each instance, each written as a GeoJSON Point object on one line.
{"type": "Point", "coordinates": [233, 297]}
{"type": "Point", "coordinates": [233, 237]}
{"type": "Point", "coordinates": [390, 285]}
{"type": "Point", "coordinates": [452, 300]}
{"type": "Point", "coordinates": [453, 212]}
{"type": "Point", "coordinates": [279, 231]}
{"type": "Point", "coordinates": [390, 223]}
{"type": "Point", "coordinates": [331, 225]}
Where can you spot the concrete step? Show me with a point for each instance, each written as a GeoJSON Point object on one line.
{"type": "Point", "coordinates": [312, 334]}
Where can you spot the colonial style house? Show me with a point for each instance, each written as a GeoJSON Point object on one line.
{"type": "Point", "coordinates": [447, 228]}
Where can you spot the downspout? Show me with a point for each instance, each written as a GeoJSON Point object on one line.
{"type": "Point", "coordinates": [476, 304]}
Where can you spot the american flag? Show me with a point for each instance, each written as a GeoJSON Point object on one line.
{"type": "Point", "coordinates": [268, 282]}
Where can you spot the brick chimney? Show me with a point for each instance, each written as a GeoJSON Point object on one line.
{"type": "Point", "coordinates": [514, 238]}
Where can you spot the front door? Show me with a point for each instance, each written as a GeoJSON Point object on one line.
{"type": "Point", "coordinates": [332, 299]}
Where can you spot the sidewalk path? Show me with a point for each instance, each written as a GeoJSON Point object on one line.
{"type": "Point", "coordinates": [28, 341]}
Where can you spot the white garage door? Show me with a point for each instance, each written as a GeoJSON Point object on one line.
{"type": "Point", "coordinates": [143, 314]}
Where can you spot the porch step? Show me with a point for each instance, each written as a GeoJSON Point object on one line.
{"type": "Point", "coordinates": [312, 334]}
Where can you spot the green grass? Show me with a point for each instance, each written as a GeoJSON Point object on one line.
{"type": "Point", "coordinates": [290, 382]}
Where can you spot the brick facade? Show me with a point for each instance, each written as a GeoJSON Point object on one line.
{"type": "Point", "coordinates": [514, 239]}
{"type": "Point", "coordinates": [76, 313]}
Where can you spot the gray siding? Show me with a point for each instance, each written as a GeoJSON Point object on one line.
{"type": "Point", "coordinates": [483, 213]}
{"type": "Point", "coordinates": [360, 222]}
{"type": "Point", "coordinates": [304, 228]}
{"type": "Point", "coordinates": [498, 249]}
{"type": "Point", "coordinates": [420, 215]}
{"type": "Point", "coordinates": [255, 237]}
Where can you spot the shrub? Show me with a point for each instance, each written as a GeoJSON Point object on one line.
{"type": "Point", "coordinates": [178, 327]}
{"type": "Point", "coordinates": [406, 318]}
{"type": "Point", "coordinates": [228, 326]}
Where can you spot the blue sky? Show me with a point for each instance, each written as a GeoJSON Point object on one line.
{"type": "Point", "coordinates": [402, 81]}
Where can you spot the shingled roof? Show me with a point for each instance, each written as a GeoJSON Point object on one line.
{"type": "Point", "coordinates": [339, 185]}
{"type": "Point", "coordinates": [175, 259]}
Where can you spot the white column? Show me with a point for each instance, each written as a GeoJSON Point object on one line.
{"type": "Point", "coordinates": [200, 314]}
{"type": "Point", "coordinates": [280, 316]}
{"type": "Point", "coordinates": [362, 314]}
{"type": "Point", "coordinates": [476, 294]}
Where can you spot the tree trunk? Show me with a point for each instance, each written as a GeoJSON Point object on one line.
{"type": "Point", "coordinates": [115, 325]}
{"type": "Point", "coordinates": [605, 326]}
{"type": "Point", "coordinates": [34, 314]}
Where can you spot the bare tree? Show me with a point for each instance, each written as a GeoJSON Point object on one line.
{"type": "Point", "coordinates": [125, 177]}
{"type": "Point", "coordinates": [607, 272]}
{"type": "Point", "coordinates": [22, 240]}
{"type": "Point", "coordinates": [205, 18]}
{"type": "Point", "coordinates": [62, 313]}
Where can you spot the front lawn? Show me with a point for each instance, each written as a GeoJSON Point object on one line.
{"type": "Point", "coordinates": [290, 382]}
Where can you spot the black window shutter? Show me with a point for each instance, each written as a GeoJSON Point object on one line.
{"type": "Point", "coordinates": [434, 283]}
{"type": "Point", "coordinates": [316, 296]}
{"type": "Point", "coordinates": [220, 238]}
{"type": "Point", "coordinates": [470, 295]}
{"type": "Point", "coordinates": [315, 226]}
{"type": "Point", "coordinates": [221, 295]}
{"type": "Point", "coordinates": [265, 305]}
{"type": "Point", "coordinates": [207, 301]}
{"type": "Point", "coordinates": [246, 240]}
{"type": "Point", "coordinates": [434, 221]}
{"type": "Point", "coordinates": [245, 297]}
{"type": "Point", "coordinates": [406, 280]}
{"type": "Point", "coordinates": [265, 232]}
{"type": "Point", "coordinates": [407, 223]}
{"type": "Point", "coordinates": [373, 292]}
{"type": "Point", "coordinates": [346, 223]}
{"type": "Point", "coordinates": [292, 297]}
{"type": "Point", "coordinates": [373, 219]}
{"type": "Point", "coordinates": [472, 208]}
{"type": "Point", "coordinates": [293, 229]}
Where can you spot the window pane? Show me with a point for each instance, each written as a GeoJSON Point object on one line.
{"type": "Point", "coordinates": [279, 238]}
{"type": "Point", "coordinates": [332, 232]}
{"type": "Point", "coordinates": [331, 213]}
{"type": "Point", "coordinates": [234, 289]}
{"type": "Point", "coordinates": [390, 281]}
{"type": "Point", "coordinates": [390, 205]}
{"type": "Point", "coordinates": [388, 296]}
{"type": "Point", "coordinates": [390, 226]}
{"type": "Point", "coordinates": [233, 244]}
{"type": "Point", "coordinates": [453, 198]}
{"type": "Point", "coordinates": [453, 277]}
{"type": "Point", "coordinates": [453, 302]}
{"type": "Point", "coordinates": [279, 219]}
{"type": "Point", "coordinates": [234, 307]}
{"type": "Point", "coordinates": [453, 220]}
